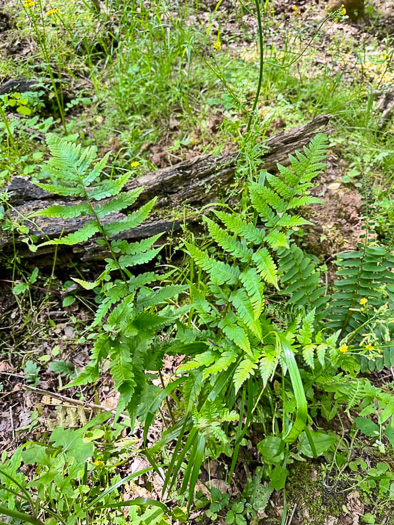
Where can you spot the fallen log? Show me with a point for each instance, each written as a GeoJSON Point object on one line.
{"type": "Point", "coordinates": [196, 182]}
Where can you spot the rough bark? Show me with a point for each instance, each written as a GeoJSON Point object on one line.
{"type": "Point", "coordinates": [196, 182]}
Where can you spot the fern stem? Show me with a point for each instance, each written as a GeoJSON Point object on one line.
{"type": "Point", "coordinates": [261, 71]}
{"type": "Point", "coordinates": [124, 273]}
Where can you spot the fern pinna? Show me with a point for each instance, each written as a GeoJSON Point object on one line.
{"type": "Point", "coordinates": [125, 323]}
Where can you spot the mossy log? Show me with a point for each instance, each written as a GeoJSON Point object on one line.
{"type": "Point", "coordinates": [192, 183]}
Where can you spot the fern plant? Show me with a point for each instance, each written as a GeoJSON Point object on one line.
{"type": "Point", "coordinates": [366, 278]}
{"type": "Point", "coordinates": [126, 322]}
{"type": "Point", "coordinates": [232, 300]}
{"type": "Point", "coordinates": [238, 345]}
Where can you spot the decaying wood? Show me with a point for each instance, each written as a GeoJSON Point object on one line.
{"type": "Point", "coordinates": [196, 182]}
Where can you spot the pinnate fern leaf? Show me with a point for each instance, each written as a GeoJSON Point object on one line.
{"type": "Point", "coordinates": [266, 266]}
{"type": "Point", "coordinates": [244, 370]}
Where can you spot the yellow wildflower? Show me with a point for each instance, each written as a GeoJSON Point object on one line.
{"type": "Point", "coordinates": [98, 463]}
{"type": "Point", "coordinates": [51, 12]}
{"type": "Point", "coordinates": [343, 348]}
{"type": "Point", "coordinates": [30, 3]}
{"type": "Point", "coordinates": [336, 20]}
{"type": "Point", "coordinates": [363, 300]}
{"type": "Point", "coordinates": [134, 164]}
{"type": "Point", "coordinates": [343, 10]}
{"type": "Point", "coordinates": [369, 347]}
{"type": "Point", "coordinates": [217, 46]}
{"type": "Point", "coordinates": [296, 11]}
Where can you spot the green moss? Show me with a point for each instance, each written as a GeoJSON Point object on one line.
{"type": "Point", "coordinates": [315, 503]}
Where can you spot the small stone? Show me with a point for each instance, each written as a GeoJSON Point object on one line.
{"type": "Point", "coordinates": [334, 186]}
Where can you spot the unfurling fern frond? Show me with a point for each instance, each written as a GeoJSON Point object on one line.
{"type": "Point", "coordinates": [366, 276]}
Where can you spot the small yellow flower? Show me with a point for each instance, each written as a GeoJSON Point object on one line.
{"type": "Point", "coordinates": [343, 10]}
{"type": "Point", "coordinates": [51, 12]}
{"type": "Point", "coordinates": [363, 300]}
{"type": "Point", "coordinates": [30, 3]}
{"type": "Point", "coordinates": [343, 348]}
{"type": "Point", "coordinates": [134, 164]}
{"type": "Point", "coordinates": [296, 11]}
{"type": "Point", "coordinates": [336, 20]}
{"type": "Point", "coordinates": [217, 46]}
{"type": "Point", "coordinates": [98, 463]}
{"type": "Point", "coordinates": [369, 347]}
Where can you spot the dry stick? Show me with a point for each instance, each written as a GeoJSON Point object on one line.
{"type": "Point", "coordinates": [71, 400]}
{"type": "Point", "coordinates": [12, 423]}
{"type": "Point", "coordinates": [292, 514]}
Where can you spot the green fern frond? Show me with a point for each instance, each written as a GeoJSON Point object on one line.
{"type": "Point", "coordinates": [284, 189]}
{"type": "Point", "coordinates": [69, 162]}
{"type": "Point", "coordinates": [260, 204]}
{"type": "Point", "coordinates": [132, 248]}
{"type": "Point", "coordinates": [254, 288]}
{"type": "Point", "coordinates": [119, 203]}
{"type": "Point", "coordinates": [64, 211]}
{"type": "Point", "coordinates": [219, 272]}
{"type": "Point", "coordinates": [235, 333]}
{"type": "Point", "coordinates": [300, 278]}
{"type": "Point", "coordinates": [82, 235]}
{"type": "Point", "coordinates": [304, 336]}
{"type": "Point", "coordinates": [311, 164]}
{"type": "Point", "coordinates": [131, 221]}
{"type": "Point", "coordinates": [108, 188]}
{"type": "Point", "coordinates": [266, 266]}
{"type": "Point", "coordinates": [268, 363]}
{"type": "Point", "coordinates": [127, 261]}
{"type": "Point", "coordinates": [238, 226]}
{"type": "Point", "coordinates": [246, 314]}
{"type": "Point", "coordinates": [229, 243]}
{"type": "Point", "coordinates": [308, 353]}
{"type": "Point", "coordinates": [226, 359]}
{"type": "Point", "coordinates": [201, 360]}
{"type": "Point", "coordinates": [149, 299]}
{"type": "Point", "coordinates": [63, 191]}
{"type": "Point", "coordinates": [290, 221]}
{"type": "Point", "coordinates": [299, 202]}
{"type": "Point", "coordinates": [276, 239]}
{"type": "Point", "coordinates": [244, 370]}
{"type": "Point", "coordinates": [121, 366]}
{"type": "Point", "coordinates": [365, 274]}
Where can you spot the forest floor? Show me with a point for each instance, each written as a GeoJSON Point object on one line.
{"type": "Point", "coordinates": [155, 107]}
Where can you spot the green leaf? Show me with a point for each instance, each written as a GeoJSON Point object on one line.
{"type": "Point", "coordinates": [71, 442]}
{"type": "Point", "coordinates": [271, 449]}
{"type": "Point", "coordinates": [367, 427]}
{"type": "Point", "coordinates": [292, 433]}
{"type": "Point", "coordinates": [323, 443]}
{"type": "Point", "coordinates": [278, 477]}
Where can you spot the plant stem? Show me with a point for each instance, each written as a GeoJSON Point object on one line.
{"type": "Point", "coordinates": [261, 71]}
{"type": "Point", "coordinates": [24, 518]}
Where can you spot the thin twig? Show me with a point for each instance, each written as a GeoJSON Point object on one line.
{"type": "Point", "coordinates": [12, 423]}
{"type": "Point", "coordinates": [71, 400]}
{"type": "Point", "coordinates": [292, 514]}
